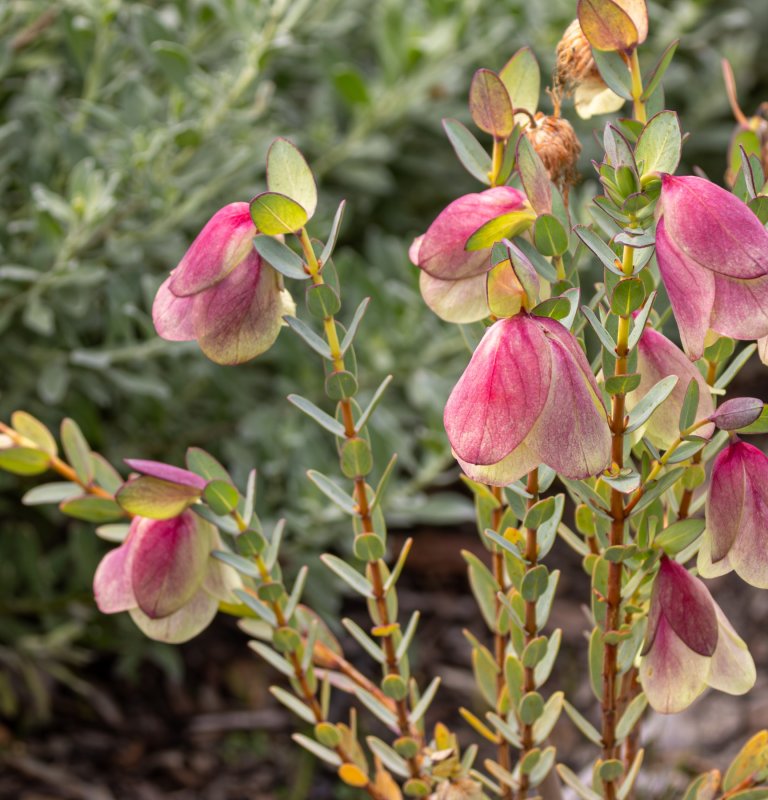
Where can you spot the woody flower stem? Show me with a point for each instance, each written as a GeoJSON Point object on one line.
{"type": "Point", "coordinates": [531, 627]}
{"type": "Point", "coordinates": [384, 627]}
{"type": "Point", "coordinates": [302, 680]}
{"type": "Point", "coordinates": [618, 515]}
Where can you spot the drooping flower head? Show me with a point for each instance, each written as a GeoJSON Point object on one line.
{"type": "Point", "coordinates": [223, 294]}
{"type": "Point", "coordinates": [713, 258]}
{"type": "Point", "coordinates": [689, 644]}
{"type": "Point", "coordinates": [164, 575]}
{"type": "Point", "coordinates": [736, 536]}
{"type": "Point", "coordinates": [527, 397]}
{"type": "Point", "coordinates": [453, 276]}
{"type": "Point", "coordinates": [658, 357]}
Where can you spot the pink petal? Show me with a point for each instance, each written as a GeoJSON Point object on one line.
{"type": "Point", "coordinates": [112, 587]}
{"type": "Point", "coordinates": [501, 393]}
{"type": "Point", "coordinates": [169, 562]}
{"type": "Point", "coordinates": [166, 472]}
{"type": "Point", "coordinates": [713, 227]}
{"type": "Point", "coordinates": [512, 467]}
{"type": "Point", "coordinates": [181, 626]}
{"type": "Point", "coordinates": [571, 434]}
{"type": "Point", "coordinates": [704, 564]}
{"type": "Point", "coordinates": [691, 290]}
{"type": "Point", "coordinates": [748, 554]}
{"type": "Point", "coordinates": [172, 316]}
{"type": "Point", "coordinates": [414, 250]}
{"type": "Point", "coordinates": [442, 252]}
{"type": "Point", "coordinates": [671, 674]}
{"type": "Point", "coordinates": [687, 606]}
{"type": "Point", "coordinates": [658, 357]}
{"type": "Point", "coordinates": [461, 301]}
{"type": "Point", "coordinates": [725, 501]}
{"type": "Point", "coordinates": [240, 317]}
{"type": "Point", "coordinates": [732, 669]}
{"type": "Point", "coordinates": [741, 307]}
{"type": "Point", "coordinates": [762, 349]}
{"type": "Point", "coordinates": [223, 244]}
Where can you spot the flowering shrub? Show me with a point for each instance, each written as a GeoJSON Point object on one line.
{"type": "Point", "coordinates": [565, 394]}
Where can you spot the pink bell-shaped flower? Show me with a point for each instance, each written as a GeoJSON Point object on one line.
{"type": "Point", "coordinates": [453, 278]}
{"type": "Point", "coordinates": [736, 536]}
{"type": "Point", "coordinates": [527, 397]}
{"type": "Point", "coordinates": [713, 258]}
{"type": "Point", "coordinates": [658, 357]}
{"type": "Point", "coordinates": [164, 575]}
{"type": "Point", "coordinates": [222, 293]}
{"type": "Point", "coordinates": [689, 644]}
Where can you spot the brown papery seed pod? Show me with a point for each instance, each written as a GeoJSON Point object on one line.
{"type": "Point", "coordinates": [574, 59]}
{"type": "Point", "coordinates": [558, 147]}
{"type": "Point", "coordinates": [462, 789]}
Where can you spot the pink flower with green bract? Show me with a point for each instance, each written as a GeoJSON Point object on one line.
{"type": "Point", "coordinates": [223, 294]}
{"type": "Point", "coordinates": [713, 258]}
{"type": "Point", "coordinates": [165, 577]}
{"type": "Point", "coordinates": [453, 279]}
{"type": "Point", "coordinates": [736, 536]}
{"type": "Point", "coordinates": [527, 397]}
{"type": "Point", "coordinates": [689, 644]}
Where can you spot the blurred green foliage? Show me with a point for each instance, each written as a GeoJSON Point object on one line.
{"type": "Point", "coordinates": [125, 125]}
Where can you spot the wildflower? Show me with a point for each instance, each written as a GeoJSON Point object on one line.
{"type": "Point", "coordinates": [223, 294]}
{"type": "Point", "coordinates": [658, 357]}
{"type": "Point", "coordinates": [453, 277]}
{"type": "Point", "coordinates": [689, 644]}
{"type": "Point", "coordinates": [164, 575]}
{"type": "Point", "coordinates": [527, 397]}
{"type": "Point", "coordinates": [736, 536]}
{"type": "Point", "coordinates": [713, 258]}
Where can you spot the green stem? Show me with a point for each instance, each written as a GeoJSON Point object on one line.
{"type": "Point", "coordinates": [637, 88]}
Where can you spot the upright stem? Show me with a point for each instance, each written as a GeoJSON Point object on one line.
{"type": "Point", "coordinates": [637, 88]}
{"type": "Point", "coordinates": [383, 623]}
{"type": "Point", "coordinates": [613, 595]}
{"type": "Point", "coordinates": [531, 627]}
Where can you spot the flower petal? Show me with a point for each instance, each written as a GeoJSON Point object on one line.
{"type": "Point", "coordinates": [240, 317]}
{"type": "Point", "coordinates": [169, 562]}
{"type": "Point", "coordinates": [512, 467]}
{"type": "Point", "coordinates": [725, 501]}
{"type": "Point", "coordinates": [501, 393]}
{"type": "Point", "coordinates": [184, 624]}
{"type": "Point", "coordinates": [687, 606]}
{"type": "Point", "coordinates": [749, 551]}
{"type": "Point", "coordinates": [571, 435]}
{"type": "Point", "coordinates": [671, 674]}
{"type": "Point", "coordinates": [112, 586]}
{"type": "Point", "coordinates": [172, 316]}
{"type": "Point", "coordinates": [460, 301]}
{"type": "Point", "coordinates": [713, 227]}
{"type": "Point", "coordinates": [691, 290]}
{"type": "Point", "coordinates": [592, 97]}
{"type": "Point", "coordinates": [704, 564]}
{"type": "Point", "coordinates": [733, 669]}
{"type": "Point", "coordinates": [441, 252]}
{"type": "Point", "coordinates": [166, 472]}
{"type": "Point", "coordinates": [658, 357]}
{"type": "Point", "coordinates": [223, 244]}
{"type": "Point", "coordinates": [741, 307]}
{"type": "Point", "coordinates": [220, 579]}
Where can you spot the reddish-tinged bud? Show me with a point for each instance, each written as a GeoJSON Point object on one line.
{"type": "Point", "coordinates": [527, 397]}
{"type": "Point", "coordinates": [736, 536]}
{"type": "Point", "coordinates": [689, 644]}
{"type": "Point", "coordinates": [658, 357]}
{"type": "Point", "coordinates": [164, 576]}
{"type": "Point", "coordinates": [713, 258]}
{"type": "Point", "coordinates": [222, 293]}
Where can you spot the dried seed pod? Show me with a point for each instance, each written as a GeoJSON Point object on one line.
{"type": "Point", "coordinates": [558, 147]}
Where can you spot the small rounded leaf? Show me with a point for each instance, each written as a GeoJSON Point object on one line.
{"type": "Point", "coordinates": [490, 105]}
